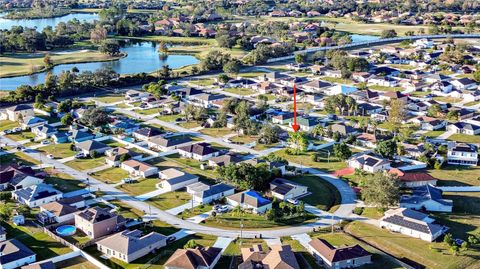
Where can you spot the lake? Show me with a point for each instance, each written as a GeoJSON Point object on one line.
{"type": "Point", "coordinates": [42, 23]}
{"type": "Point", "coordinates": [142, 57]}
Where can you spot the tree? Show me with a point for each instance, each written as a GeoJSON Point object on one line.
{"type": "Point", "coordinates": [476, 74]}
{"type": "Point", "coordinates": [67, 119]}
{"type": "Point", "coordinates": [223, 78]}
{"type": "Point", "coordinates": [269, 134]}
{"type": "Point", "coordinates": [452, 115]}
{"type": "Point", "coordinates": [165, 72]}
{"type": "Point", "coordinates": [382, 190]}
{"type": "Point", "coordinates": [448, 239]}
{"type": "Point", "coordinates": [298, 142]}
{"type": "Point", "coordinates": [434, 110]}
{"type": "Point", "coordinates": [397, 113]}
{"type": "Point", "coordinates": [388, 33]}
{"type": "Point", "coordinates": [232, 67]}
{"type": "Point", "coordinates": [162, 48]}
{"type": "Point", "coordinates": [342, 151]}
{"type": "Point", "coordinates": [191, 244]}
{"type": "Point", "coordinates": [5, 211]}
{"type": "Point", "coordinates": [387, 148]}
{"type": "Point", "coordinates": [47, 61]}
{"type": "Point", "coordinates": [110, 47]}
{"type": "Point", "coordinates": [98, 35]}
{"type": "Point", "coordinates": [94, 117]}
{"type": "Point", "coordinates": [472, 240]}
{"type": "Point", "coordinates": [300, 58]}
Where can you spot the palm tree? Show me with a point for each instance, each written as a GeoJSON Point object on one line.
{"type": "Point", "coordinates": [318, 131]}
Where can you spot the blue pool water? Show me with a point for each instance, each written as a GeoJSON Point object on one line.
{"type": "Point", "coordinates": [66, 230]}
{"type": "Point", "coordinates": [129, 139]}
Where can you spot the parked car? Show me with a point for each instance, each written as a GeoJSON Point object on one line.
{"type": "Point", "coordinates": [222, 209]}
{"type": "Point", "coordinates": [21, 148]}
{"type": "Point", "coordinates": [7, 131]}
{"type": "Point", "coordinates": [17, 129]}
{"type": "Point", "coordinates": [171, 239]}
{"type": "Point", "coordinates": [45, 142]}
{"type": "Point", "coordinates": [79, 155]}
{"type": "Point", "coordinates": [50, 156]}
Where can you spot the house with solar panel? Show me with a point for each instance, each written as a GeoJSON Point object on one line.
{"type": "Point", "coordinates": [286, 189]}
{"type": "Point", "coordinates": [204, 194]}
{"type": "Point", "coordinates": [369, 162]}
{"type": "Point", "coordinates": [427, 198]}
{"type": "Point", "coordinates": [412, 223]}
{"type": "Point", "coordinates": [37, 195]}
{"type": "Point", "coordinates": [250, 200]}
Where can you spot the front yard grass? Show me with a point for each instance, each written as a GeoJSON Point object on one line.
{"type": "Point", "coordinates": [63, 182]}
{"type": "Point", "coordinates": [141, 186]}
{"type": "Point", "coordinates": [240, 91]}
{"type": "Point", "coordinates": [431, 255]}
{"type": "Point", "coordinates": [75, 263]}
{"type": "Point", "coordinates": [169, 118]}
{"type": "Point", "coordinates": [6, 124]}
{"type": "Point", "coordinates": [192, 212]}
{"type": "Point", "coordinates": [244, 139]}
{"type": "Point", "coordinates": [87, 163]}
{"type": "Point", "coordinates": [110, 98]}
{"type": "Point", "coordinates": [111, 175]}
{"type": "Point", "coordinates": [338, 80]}
{"type": "Point", "coordinates": [18, 157]}
{"type": "Point", "coordinates": [59, 151]}
{"type": "Point", "coordinates": [34, 238]}
{"type": "Point", "coordinates": [464, 138]}
{"type": "Point", "coordinates": [149, 111]}
{"type": "Point", "coordinates": [447, 99]}
{"type": "Point", "coordinates": [20, 136]}
{"type": "Point", "coordinates": [323, 194]}
{"type": "Point", "coordinates": [216, 132]}
{"type": "Point", "coordinates": [433, 133]}
{"type": "Point", "coordinates": [385, 88]}
{"type": "Point", "coordinates": [203, 82]}
{"type": "Point", "coordinates": [305, 159]}
{"type": "Point", "coordinates": [456, 175]}
{"type": "Point", "coordinates": [127, 211]}
{"type": "Point", "coordinates": [234, 248]}
{"type": "Point", "coordinates": [189, 124]}
{"type": "Point", "coordinates": [170, 200]}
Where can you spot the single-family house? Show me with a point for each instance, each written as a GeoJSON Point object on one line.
{"type": "Point", "coordinates": [132, 96]}
{"type": "Point", "coordinates": [18, 177]}
{"type": "Point", "coordinates": [44, 131]}
{"type": "Point", "coordinates": [344, 257]}
{"type": "Point", "coordinates": [343, 129]}
{"type": "Point", "coordinates": [224, 160]}
{"type": "Point", "coordinates": [200, 151]}
{"type": "Point", "coordinates": [60, 137]}
{"type": "Point", "coordinates": [17, 112]}
{"type": "Point", "coordinates": [464, 128]}
{"type": "Point", "coordinates": [174, 179]}
{"type": "Point", "coordinates": [286, 189]}
{"type": "Point", "coordinates": [205, 194]}
{"type": "Point", "coordinates": [56, 212]}
{"type": "Point", "coordinates": [128, 245]}
{"type": "Point", "coordinates": [115, 156]}
{"type": "Point", "coordinates": [427, 198]}
{"type": "Point", "coordinates": [282, 118]}
{"type": "Point", "coordinates": [278, 256]}
{"type": "Point", "coordinates": [78, 136]}
{"type": "Point", "coordinates": [33, 121]}
{"type": "Point", "coordinates": [37, 195]}
{"type": "Point", "coordinates": [251, 200]}
{"type": "Point", "coordinates": [462, 154]}
{"type": "Point", "coordinates": [96, 222]}
{"type": "Point", "coordinates": [412, 223]}
{"type": "Point", "coordinates": [368, 162]}
{"type": "Point", "coordinates": [139, 169]}
{"type": "Point", "coordinates": [197, 258]}
{"type": "Point", "coordinates": [90, 146]}
{"type": "Point", "coordinates": [341, 89]}
{"type": "Point", "coordinates": [464, 84]}
{"type": "Point", "coordinates": [413, 179]}
{"type": "Point", "coordinates": [170, 142]}
{"type": "Point", "coordinates": [15, 254]}
{"type": "Point", "coordinates": [146, 133]}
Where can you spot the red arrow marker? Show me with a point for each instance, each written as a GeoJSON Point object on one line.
{"type": "Point", "coordinates": [295, 126]}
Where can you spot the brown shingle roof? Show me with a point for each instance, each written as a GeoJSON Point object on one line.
{"type": "Point", "coordinates": [193, 258]}
{"type": "Point", "coordinates": [333, 254]}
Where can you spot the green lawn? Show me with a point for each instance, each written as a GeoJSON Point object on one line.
{"type": "Point", "coordinates": [465, 138]}
{"type": "Point", "coordinates": [379, 260]}
{"type": "Point", "coordinates": [372, 213]}
{"type": "Point", "coordinates": [251, 74]}
{"type": "Point", "coordinates": [149, 111]}
{"type": "Point", "coordinates": [170, 200]}
{"type": "Point", "coordinates": [433, 133]}
{"type": "Point", "coordinates": [234, 248]}
{"type": "Point", "coordinates": [447, 99]}
{"type": "Point", "coordinates": [431, 255]}
{"type": "Point", "coordinates": [75, 263]}
{"type": "Point", "coordinates": [189, 124]}
{"type": "Point", "coordinates": [473, 103]}
{"type": "Point", "coordinates": [24, 135]}
{"type": "Point", "coordinates": [127, 211]}
{"type": "Point", "coordinates": [110, 98]}
{"type": "Point", "coordinates": [43, 245]}
{"type": "Point", "coordinates": [385, 88]}
{"type": "Point", "coordinates": [216, 132]}
{"type": "Point", "coordinates": [18, 157]}
{"type": "Point", "coordinates": [457, 175]}
{"type": "Point", "coordinates": [140, 187]}
{"type": "Point", "coordinates": [402, 66]}
{"type": "Point", "coordinates": [338, 80]}
{"type": "Point", "coordinates": [6, 124]}
{"type": "Point", "coordinates": [305, 159]}
{"type": "Point", "coordinates": [113, 143]}
{"type": "Point", "coordinates": [240, 91]}
{"type": "Point", "coordinates": [324, 195]}
{"type": "Point", "coordinates": [111, 175]}
{"type": "Point", "coordinates": [85, 164]}
{"type": "Point", "coordinates": [195, 211]}
{"type": "Point", "coordinates": [63, 182]}
{"type": "Point", "coordinates": [169, 118]}
{"type": "Point", "coordinates": [244, 139]}
{"type": "Point", "coordinates": [203, 82]}
{"type": "Point", "coordinates": [59, 151]}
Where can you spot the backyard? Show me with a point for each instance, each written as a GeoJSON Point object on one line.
{"type": "Point", "coordinates": [63, 182]}
{"type": "Point", "coordinates": [323, 194]}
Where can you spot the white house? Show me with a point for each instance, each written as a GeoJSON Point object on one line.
{"type": "Point", "coordinates": [329, 256]}
{"type": "Point", "coordinates": [286, 189]}
{"type": "Point", "coordinates": [37, 195]}
{"type": "Point", "coordinates": [57, 212]}
{"type": "Point", "coordinates": [250, 200]}
{"type": "Point", "coordinates": [200, 151]}
{"type": "Point", "coordinates": [17, 112]}
{"type": "Point", "coordinates": [174, 179]}
{"type": "Point", "coordinates": [204, 194]}
{"type": "Point", "coordinates": [132, 96]}
{"type": "Point", "coordinates": [368, 162]}
{"type": "Point", "coordinates": [138, 168]}
{"type": "Point", "coordinates": [14, 254]}
{"type": "Point", "coordinates": [411, 223]}
{"type": "Point", "coordinates": [464, 128]}
{"type": "Point", "coordinates": [426, 198]}
{"type": "Point", "coordinates": [44, 131]}
{"type": "Point", "coordinates": [462, 154]}
{"type": "Point", "coordinates": [464, 84]}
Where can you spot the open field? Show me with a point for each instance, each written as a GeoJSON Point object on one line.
{"type": "Point", "coordinates": [25, 63]}
{"type": "Point", "coordinates": [306, 159]}
{"type": "Point", "coordinates": [431, 255]}
{"type": "Point", "coordinates": [457, 175]}
{"type": "Point", "coordinates": [87, 163]}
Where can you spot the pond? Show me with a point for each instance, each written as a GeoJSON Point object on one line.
{"type": "Point", "coordinates": [141, 57]}
{"type": "Point", "coordinates": [40, 24]}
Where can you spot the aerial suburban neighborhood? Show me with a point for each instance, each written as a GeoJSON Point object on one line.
{"type": "Point", "coordinates": [241, 134]}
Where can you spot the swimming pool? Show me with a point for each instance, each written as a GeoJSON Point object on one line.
{"type": "Point", "coordinates": [129, 139]}
{"type": "Point", "coordinates": [66, 230]}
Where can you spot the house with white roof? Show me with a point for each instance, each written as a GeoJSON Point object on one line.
{"type": "Point", "coordinates": [205, 194]}
{"type": "Point", "coordinates": [368, 162]}
{"type": "Point", "coordinates": [412, 223]}
{"type": "Point", "coordinates": [174, 179]}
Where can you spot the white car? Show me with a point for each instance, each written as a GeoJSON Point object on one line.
{"type": "Point", "coordinates": [17, 129]}
{"type": "Point", "coordinates": [79, 155]}
{"type": "Point", "coordinates": [7, 131]}
{"type": "Point", "coordinates": [50, 156]}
